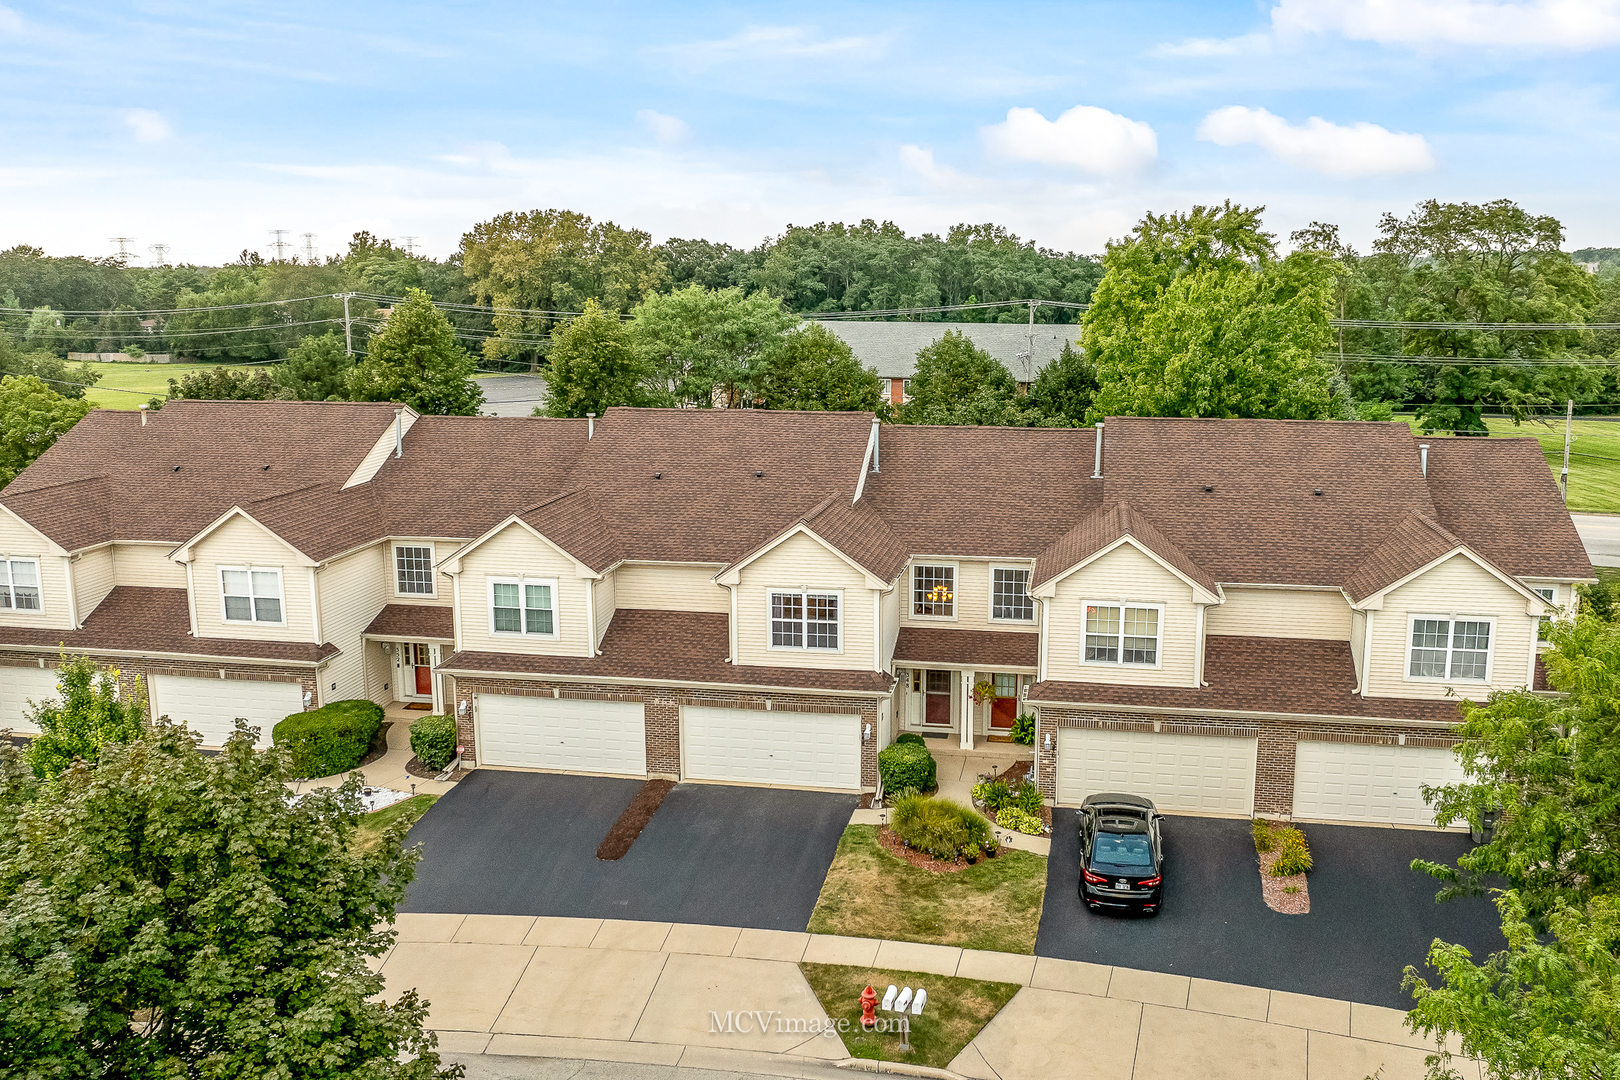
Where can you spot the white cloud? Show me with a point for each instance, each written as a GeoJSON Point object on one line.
{"type": "Point", "coordinates": [10, 21]}
{"type": "Point", "coordinates": [147, 125]}
{"type": "Point", "coordinates": [1087, 138]}
{"type": "Point", "coordinates": [920, 161]}
{"type": "Point", "coordinates": [1359, 149]}
{"type": "Point", "coordinates": [1197, 47]}
{"type": "Point", "coordinates": [667, 130]}
{"type": "Point", "coordinates": [785, 42]}
{"type": "Point", "coordinates": [1574, 25]}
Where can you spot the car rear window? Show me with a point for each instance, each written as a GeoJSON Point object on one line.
{"type": "Point", "coordinates": [1122, 851]}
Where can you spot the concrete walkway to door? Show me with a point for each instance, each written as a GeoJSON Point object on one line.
{"type": "Point", "coordinates": [644, 992]}
{"type": "Point", "coordinates": [389, 770]}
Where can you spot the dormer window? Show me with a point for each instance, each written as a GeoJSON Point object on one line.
{"type": "Point", "coordinates": [19, 584]}
{"type": "Point", "coordinates": [1121, 633]}
{"type": "Point", "coordinates": [251, 594]}
{"type": "Point", "coordinates": [805, 620]}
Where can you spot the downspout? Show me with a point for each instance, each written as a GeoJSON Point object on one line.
{"type": "Point", "coordinates": [1366, 654]}
{"type": "Point", "coordinates": [590, 616]}
{"type": "Point", "coordinates": [1198, 657]}
{"type": "Point", "coordinates": [72, 601]}
{"type": "Point", "coordinates": [455, 619]}
{"type": "Point", "coordinates": [732, 659]}
{"type": "Point", "coordinates": [315, 605]}
{"type": "Point", "coordinates": [877, 631]}
{"type": "Point", "coordinates": [191, 597]}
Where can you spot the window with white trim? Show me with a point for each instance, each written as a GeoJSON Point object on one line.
{"type": "Point", "coordinates": [251, 594]}
{"type": "Point", "coordinates": [523, 606]}
{"type": "Point", "coordinates": [413, 569]}
{"type": "Point", "coordinates": [1121, 633]}
{"type": "Point", "coordinates": [805, 620]}
{"type": "Point", "coordinates": [933, 591]}
{"type": "Point", "coordinates": [19, 584]}
{"type": "Point", "coordinates": [1009, 594]}
{"type": "Point", "coordinates": [1549, 594]}
{"type": "Point", "coordinates": [1446, 648]}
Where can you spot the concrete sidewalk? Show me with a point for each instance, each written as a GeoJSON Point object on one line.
{"type": "Point", "coordinates": [389, 770]}
{"type": "Point", "coordinates": [652, 993]}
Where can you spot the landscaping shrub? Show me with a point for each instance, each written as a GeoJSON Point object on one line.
{"type": "Point", "coordinates": [332, 739]}
{"type": "Point", "coordinates": [911, 737]}
{"type": "Point", "coordinates": [1293, 854]}
{"type": "Point", "coordinates": [907, 765]}
{"type": "Point", "coordinates": [1023, 729]}
{"type": "Point", "coordinates": [433, 740]}
{"type": "Point", "coordinates": [1027, 797]}
{"type": "Point", "coordinates": [992, 794]}
{"type": "Point", "coordinates": [1264, 838]}
{"type": "Point", "coordinates": [942, 828]}
{"type": "Point", "coordinates": [1013, 818]}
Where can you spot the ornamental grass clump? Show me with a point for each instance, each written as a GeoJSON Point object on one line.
{"type": "Point", "coordinates": [1264, 839]}
{"type": "Point", "coordinates": [944, 829]}
{"type": "Point", "coordinates": [1293, 854]}
{"type": "Point", "coordinates": [907, 766]}
{"type": "Point", "coordinates": [1011, 817]}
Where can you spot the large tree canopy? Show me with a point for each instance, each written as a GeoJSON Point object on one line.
{"type": "Point", "coordinates": [415, 360]}
{"type": "Point", "coordinates": [813, 368]}
{"type": "Point", "coordinates": [954, 374]}
{"type": "Point", "coordinates": [594, 366]}
{"type": "Point", "coordinates": [705, 346]}
{"type": "Point", "coordinates": [32, 418]}
{"type": "Point", "coordinates": [1196, 316]}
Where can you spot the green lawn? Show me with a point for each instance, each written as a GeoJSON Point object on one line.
{"type": "Point", "coordinates": [1594, 464]}
{"type": "Point", "coordinates": [955, 1012]}
{"type": "Point", "coordinates": [146, 379]}
{"type": "Point", "coordinates": [994, 904]}
{"type": "Point", "coordinates": [370, 831]}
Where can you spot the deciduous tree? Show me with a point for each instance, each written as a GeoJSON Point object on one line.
{"type": "Point", "coordinates": [88, 716]}
{"type": "Point", "coordinates": [225, 384]}
{"type": "Point", "coordinates": [415, 359]}
{"type": "Point", "coordinates": [951, 373]}
{"type": "Point", "coordinates": [705, 346]}
{"type": "Point", "coordinates": [317, 369]}
{"type": "Point", "coordinates": [32, 418]}
{"type": "Point", "coordinates": [594, 366]}
{"type": "Point", "coordinates": [813, 368]}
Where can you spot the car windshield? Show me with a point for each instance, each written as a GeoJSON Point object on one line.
{"type": "Point", "coordinates": [1122, 851]}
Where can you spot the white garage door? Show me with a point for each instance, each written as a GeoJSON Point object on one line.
{"type": "Point", "coordinates": [210, 707]}
{"type": "Point", "coordinates": [19, 686]}
{"type": "Point", "coordinates": [753, 746]}
{"type": "Point", "coordinates": [562, 734]}
{"type": "Point", "coordinates": [1358, 782]}
{"type": "Point", "coordinates": [1210, 774]}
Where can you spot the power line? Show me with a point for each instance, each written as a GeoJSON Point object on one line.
{"type": "Point", "coordinates": [1472, 361]}
{"type": "Point", "coordinates": [1393, 324]}
{"type": "Point", "coordinates": [173, 311]}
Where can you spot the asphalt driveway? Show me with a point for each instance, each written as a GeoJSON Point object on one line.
{"type": "Point", "coordinates": [1371, 914]}
{"type": "Point", "coordinates": [514, 843]}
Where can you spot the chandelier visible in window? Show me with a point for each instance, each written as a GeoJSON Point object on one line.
{"type": "Point", "coordinates": [939, 594]}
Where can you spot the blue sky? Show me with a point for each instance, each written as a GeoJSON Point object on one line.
{"type": "Point", "coordinates": [206, 126]}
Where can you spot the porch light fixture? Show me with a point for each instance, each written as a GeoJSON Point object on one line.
{"type": "Point", "coordinates": [866, 733]}
{"type": "Point", "coordinates": [388, 646]}
{"type": "Point", "coordinates": [1048, 742]}
{"type": "Point", "coordinates": [939, 594]}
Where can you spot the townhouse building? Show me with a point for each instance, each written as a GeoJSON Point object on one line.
{"type": "Point", "coordinates": [1230, 616]}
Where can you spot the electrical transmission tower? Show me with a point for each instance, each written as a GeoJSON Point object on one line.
{"type": "Point", "coordinates": [160, 254]}
{"type": "Point", "coordinates": [309, 247]}
{"type": "Point", "coordinates": [279, 244]}
{"type": "Point", "coordinates": [123, 243]}
{"type": "Point", "coordinates": [410, 244]}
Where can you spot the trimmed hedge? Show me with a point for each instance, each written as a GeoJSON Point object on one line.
{"type": "Point", "coordinates": [907, 766]}
{"type": "Point", "coordinates": [944, 829]}
{"type": "Point", "coordinates": [433, 740]}
{"type": "Point", "coordinates": [330, 740]}
{"type": "Point", "coordinates": [911, 737]}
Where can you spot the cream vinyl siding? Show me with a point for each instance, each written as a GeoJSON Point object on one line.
{"type": "Point", "coordinates": [670, 587]}
{"type": "Point", "coordinates": [351, 597]}
{"type": "Point", "coordinates": [21, 541]}
{"type": "Point", "coordinates": [1358, 640]}
{"type": "Point", "coordinates": [93, 579]}
{"type": "Point", "coordinates": [239, 542]}
{"type": "Point", "coordinates": [605, 593]}
{"type": "Point", "coordinates": [1123, 574]}
{"type": "Point", "coordinates": [1284, 613]}
{"type": "Point", "coordinates": [515, 552]}
{"type": "Point", "coordinates": [148, 566]}
{"type": "Point", "coordinates": [441, 582]}
{"type": "Point", "coordinates": [801, 563]}
{"type": "Point", "coordinates": [889, 607]}
{"type": "Point", "coordinates": [1456, 585]}
{"type": "Point", "coordinates": [972, 597]}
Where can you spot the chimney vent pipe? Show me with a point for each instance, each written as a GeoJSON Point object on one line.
{"type": "Point", "coordinates": [1423, 456]}
{"type": "Point", "coordinates": [877, 443]}
{"type": "Point", "coordinates": [399, 433]}
{"type": "Point", "coordinates": [1096, 472]}
{"type": "Point", "coordinates": [145, 408]}
{"type": "Point", "coordinates": [590, 425]}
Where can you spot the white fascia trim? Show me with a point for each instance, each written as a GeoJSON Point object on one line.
{"type": "Point", "coordinates": [184, 552]}
{"type": "Point", "coordinates": [444, 567]}
{"type": "Point", "coordinates": [1200, 595]}
{"type": "Point", "coordinates": [1235, 714]}
{"type": "Point", "coordinates": [1534, 607]}
{"type": "Point", "coordinates": [148, 654]}
{"type": "Point", "coordinates": [875, 695]}
{"type": "Point", "coordinates": [732, 574]}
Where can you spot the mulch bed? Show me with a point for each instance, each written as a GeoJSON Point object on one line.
{"type": "Point", "coordinates": [1018, 770]}
{"type": "Point", "coordinates": [891, 843]}
{"type": "Point", "coordinates": [865, 803]}
{"type": "Point", "coordinates": [379, 745]}
{"type": "Point", "coordinates": [1274, 889]}
{"type": "Point", "coordinates": [616, 844]}
{"type": "Point", "coordinates": [417, 769]}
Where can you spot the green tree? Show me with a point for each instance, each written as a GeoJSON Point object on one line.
{"type": "Point", "coordinates": [49, 368]}
{"type": "Point", "coordinates": [317, 369]}
{"type": "Point", "coordinates": [225, 384]}
{"type": "Point", "coordinates": [951, 373]}
{"type": "Point", "coordinates": [594, 366]}
{"type": "Point", "coordinates": [813, 368]}
{"type": "Point", "coordinates": [1196, 316]}
{"type": "Point", "coordinates": [167, 915]}
{"type": "Point", "coordinates": [1064, 389]}
{"type": "Point", "coordinates": [32, 418]}
{"type": "Point", "coordinates": [88, 717]}
{"type": "Point", "coordinates": [415, 360]}
{"type": "Point", "coordinates": [706, 346]}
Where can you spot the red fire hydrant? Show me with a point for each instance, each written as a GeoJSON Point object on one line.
{"type": "Point", "coordinates": [869, 1008]}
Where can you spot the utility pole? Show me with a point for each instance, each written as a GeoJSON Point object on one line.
{"type": "Point", "coordinates": [410, 244]}
{"type": "Point", "coordinates": [309, 248]}
{"type": "Point", "coordinates": [1029, 364]}
{"type": "Point", "coordinates": [279, 244]}
{"type": "Point", "coordinates": [1569, 423]}
{"type": "Point", "coordinates": [123, 243]}
{"type": "Point", "coordinates": [348, 334]}
{"type": "Point", "coordinates": [160, 252]}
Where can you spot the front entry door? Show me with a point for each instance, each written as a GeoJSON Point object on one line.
{"type": "Point", "coordinates": [1005, 710]}
{"type": "Point", "coordinates": [423, 664]}
{"type": "Point", "coordinates": [937, 698]}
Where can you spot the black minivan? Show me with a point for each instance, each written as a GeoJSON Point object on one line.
{"type": "Point", "coordinates": [1121, 854]}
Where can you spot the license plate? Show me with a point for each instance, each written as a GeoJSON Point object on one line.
{"type": "Point", "coordinates": [1122, 885]}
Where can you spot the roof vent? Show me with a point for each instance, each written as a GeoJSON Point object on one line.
{"type": "Point", "coordinates": [1209, 487]}
{"type": "Point", "coordinates": [590, 425]}
{"type": "Point", "coordinates": [1318, 491]}
{"type": "Point", "coordinates": [265, 469]}
{"type": "Point", "coordinates": [1423, 457]}
{"type": "Point", "coordinates": [145, 408]}
{"type": "Point", "coordinates": [175, 469]}
{"type": "Point", "coordinates": [658, 476]}
{"type": "Point", "coordinates": [1096, 472]}
{"type": "Point", "coordinates": [758, 473]}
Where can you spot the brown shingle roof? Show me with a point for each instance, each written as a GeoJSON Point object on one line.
{"type": "Point", "coordinates": [861, 533]}
{"type": "Point", "coordinates": [1413, 543]}
{"type": "Point", "coordinates": [1259, 675]}
{"type": "Point", "coordinates": [573, 522]}
{"type": "Point", "coordinates": [414, 621]}
{"type": "Point", "coordinates": [157, 621]}
{"type": "Point", "coordinates": [668, 646]}
{"type": "Point", "coordinates": [1102, 528]}
{"type": "Point", "coordinates": [986, 648]}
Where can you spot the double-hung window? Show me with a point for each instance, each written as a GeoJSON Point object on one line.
{"type": "Point", "coordinates": [251, 594]}
{"type": "Point", "coordinates": [1122, 633]}
{"type": "Point", "coordinates": [933, 591]}
{"type": "Point", "coordinates": [805, 620]}
{"type": "Point", "coordinates": [1549, 594]}
{"type": "Point", "coordinates": [413, 569]}
{"type": "Point", "coordinates": [1009, 594]}
{"type": "Point", "coordinates": [523, 606]}
{"type": "Point", "coordinates": [19, 584]}
{"type": "Point", "coordinates": [1447, 648]}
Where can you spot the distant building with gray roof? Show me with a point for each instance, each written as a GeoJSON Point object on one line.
{"type": "Point", "coordinates": [892, 347]}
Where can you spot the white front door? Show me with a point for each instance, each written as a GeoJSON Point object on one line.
{"type": "Point", "coordinates": [19, 686]}
{"type": "Point", "coordinates": [758, 746]}
{"type": "Point", "coordinates": [1361, 782]}
{"type": "Point", "coordinates": [210, 707]}
{"type": "Point", "coordinates": [1206, 774]}
{"type": "Point", "coordinates": [562, 734]}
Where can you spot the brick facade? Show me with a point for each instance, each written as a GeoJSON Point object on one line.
{"type": "Point", "coordinates": [662, 705]}
{"type": "Point", "coordinates": [133, 668]}
{"type": "Point", "coordinates": [1278, 742]}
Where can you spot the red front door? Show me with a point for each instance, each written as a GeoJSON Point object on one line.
{"type": "Point", "coordinates": [937, 698]}
{"type": "Point", "coordinates": [1005, 710]}
{"type": "Point", "coordinates": [424, 670]}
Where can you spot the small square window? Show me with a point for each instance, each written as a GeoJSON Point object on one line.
{"type": "Point", "coordinates": [933, 591]}
{"type": "Point", "coordinates": [1009, 595]}
{"type": "Point", "coordinates": [413, 570]}
{"type": "Point", "coordinates": [251, 595]}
